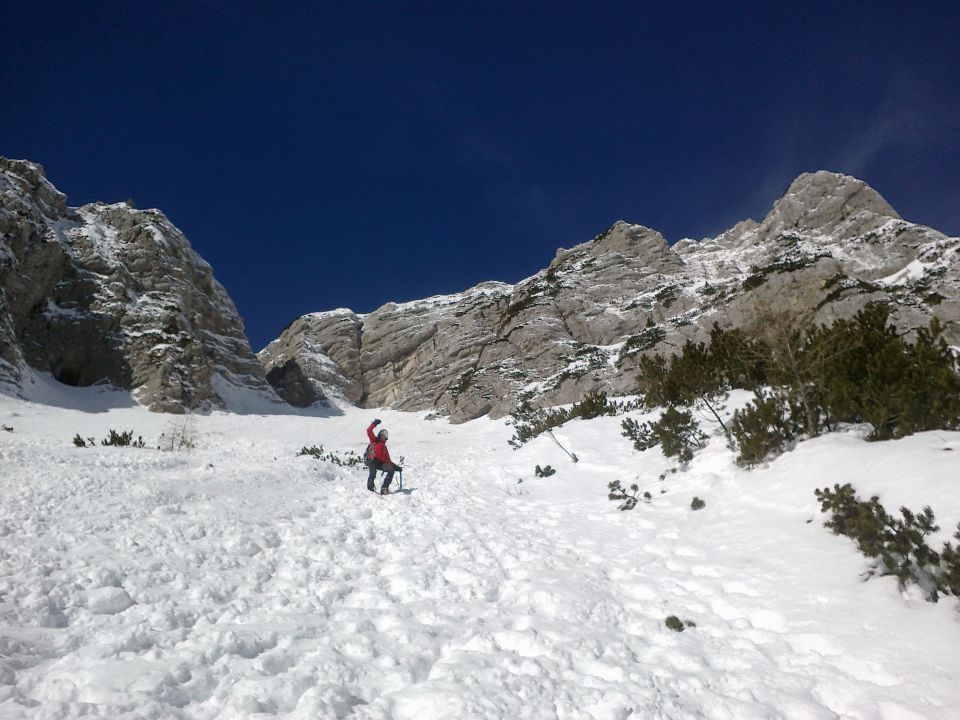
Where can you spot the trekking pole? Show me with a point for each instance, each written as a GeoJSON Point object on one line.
{"type": "Point", "coordinates": [400, 489]}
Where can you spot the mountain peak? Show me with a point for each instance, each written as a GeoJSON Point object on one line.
{"type": "Point", "coordinates": [31, 181]}
{"type": "Point", "coordinates": [828, 202]}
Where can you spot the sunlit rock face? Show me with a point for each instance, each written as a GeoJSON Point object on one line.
{"type": "Point", "coordinates": [828, 247]}
{"type": "Point", "coordinates": [111, 294]}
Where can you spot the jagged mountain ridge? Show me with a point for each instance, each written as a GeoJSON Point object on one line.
{"type": "Point", "coordinates": [108, 293]}
{"type": "Point", "coordinates": [828, 247]}
{"type": "Point", "coordinates": [111, 294]}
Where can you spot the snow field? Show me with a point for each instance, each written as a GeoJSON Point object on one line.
{"type": "Point", "coordinates": [238, 580]}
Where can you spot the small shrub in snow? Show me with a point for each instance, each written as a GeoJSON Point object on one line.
{"type": "Point", "coordinates": [115, 439]}
{"type": "Point", "coordinates": [950, 564]}
{"type": "Point", "coordinates": [546, 471]}
{"type": "Point", "coordinates": [898, 387]}
{"type": "Point", "coordinates": [528, 425]}
{"type": "Point", "coordinates": [7, 428]}
{"type": "Point", "coordinates": [897, 545]}
{"type": "Point", "coordinates": [697, 503]}
{"type": "Point", "coordinates": [628, 499]}
{"type": "Point", "coordinates": [676, 432]}
{"type": "Point", "coordinates": [124, 439]}
{"type": "Point", "coordinates": [348, 459]}
{"type": "Point", "coordinates": [678, 625]}
{"type": "Point", "coordinates": [179, 435]}
{"type": "Point", "coordinates": [693, 377]}
{"type": "Point", "coordinates": [593, 405]}
{"type": "Point", "coordinates": [529, 422]}
{"type": "Point", "coordinates": [765, 427]}
{"type": "Point", "coordinates": [641, 434]}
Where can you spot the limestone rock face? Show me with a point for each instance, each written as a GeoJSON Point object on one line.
{"type": "Point", "coordinates": [111, 294]}
{"type": "Point", "coordinates": [317, 360]}
{"type": "Point", "coordinates": [828, 247]}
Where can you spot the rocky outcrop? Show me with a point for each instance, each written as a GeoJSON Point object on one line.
{"type": "Point", "coordinates": [316, 360]}
{"type": "Point", "coordinates": [829, 246]}
{"type": "Point", "coordinates": [111, 294]}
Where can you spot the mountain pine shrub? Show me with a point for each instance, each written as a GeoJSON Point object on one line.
{"type": "Point", "coordinates": [678, 625]}
{"type": "Point", "coordinates": [765, 427]}
{"type": "Point", "coordinates": [899, 388]}
{"type": "Point", "coordinates": [348, 459]}
{"type": "Point", "coordinates": [628, 499]}
{"type": "Point", "coordinates": [123, 439]}
{"type": "Point", "coordinates": [676, 432]}
{"type": "Point", "coordinates": [529, 422]}
{"type": "Point", "coordinates": [898, 546]}
{"type": "Point", "coordinates": [855, 370]}
{"type": "Point", "coordinates": [545, 471]}
{"type": "Point", "coordinates": [950, 564]}
{"type": "Point", "coordinates": [691, 378]}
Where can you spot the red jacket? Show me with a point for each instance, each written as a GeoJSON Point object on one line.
{"type": "Point", "coordinates": [379, 446]}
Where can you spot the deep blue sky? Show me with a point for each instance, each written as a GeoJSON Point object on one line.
{"type": "Point", "coordinates": [324, 155]}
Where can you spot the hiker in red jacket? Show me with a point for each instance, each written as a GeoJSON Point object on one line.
{"type": "Point", "coordinates": [381, 459]}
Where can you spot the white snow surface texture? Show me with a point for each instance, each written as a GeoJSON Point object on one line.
{"type": "Point", "coordinates": [238, 580]}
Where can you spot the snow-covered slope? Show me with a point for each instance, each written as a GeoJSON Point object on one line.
{"type": "Point", "coordinates": [829, 246]}
{"type": "Point", "coordinates": [238, 580]}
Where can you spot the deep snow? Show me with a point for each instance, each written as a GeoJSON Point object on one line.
{"type": "Point", "coordinates": [239, 580]}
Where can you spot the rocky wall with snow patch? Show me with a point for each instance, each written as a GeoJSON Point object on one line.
{"type": "Point", "coordinates": [828, 247]}
{"type": "Point", "coordinates": [111, 294]}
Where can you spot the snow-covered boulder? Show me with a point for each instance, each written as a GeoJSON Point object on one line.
{"type": "Point", "coordinates": [108, 600]}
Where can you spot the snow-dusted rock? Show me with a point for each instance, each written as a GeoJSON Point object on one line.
{"type": "Point", "coordinates": [316, 359]}
{"type": "Point", "coordinates": [829, 246]}
{"type": "Point", "coordinates": [108, 293]}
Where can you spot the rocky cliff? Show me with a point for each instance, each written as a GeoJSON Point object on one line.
{"type": "Point", "coordinates": [111, 294]}
{"type": "Point", "coordinates": [829, 246]}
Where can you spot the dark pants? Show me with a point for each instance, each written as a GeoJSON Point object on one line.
{"type": "Point", "coordinates": [375, 467]}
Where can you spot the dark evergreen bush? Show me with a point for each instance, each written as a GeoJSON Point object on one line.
{"type": "Point", "coordinates": [678, 625]}
{"type": "Point", "coordinates": [348, 459]}
{"type": "Point", "coordinates": [697, 503]}
{"type": "Point", "coordinates": [765, 427]}
{"type": "Point", "coordinates": [899, 388]}
{"type": "Point", "coordinates": [691, 378]}
{"type": "Point", "coordinates": [741, 360]}
{"type": "Point", "coordinates": [677, 433]}
{"type": "Point", "coordinates": [592, 405]}
{"type": "Point", "coordinates": [898, 546]}
{"type": "Point", "coordinates": [529, 422]}
{"type": "Point", "coordinates": [641, 434]}
{"type": "Point", "coordinates": [950, 567]}
{"type": "Point", "coordinates": [124, 439]}
{"type": "Point", "coordinates": [628, 499]}
{"type": "Point", "coordinates": [545, 471]}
